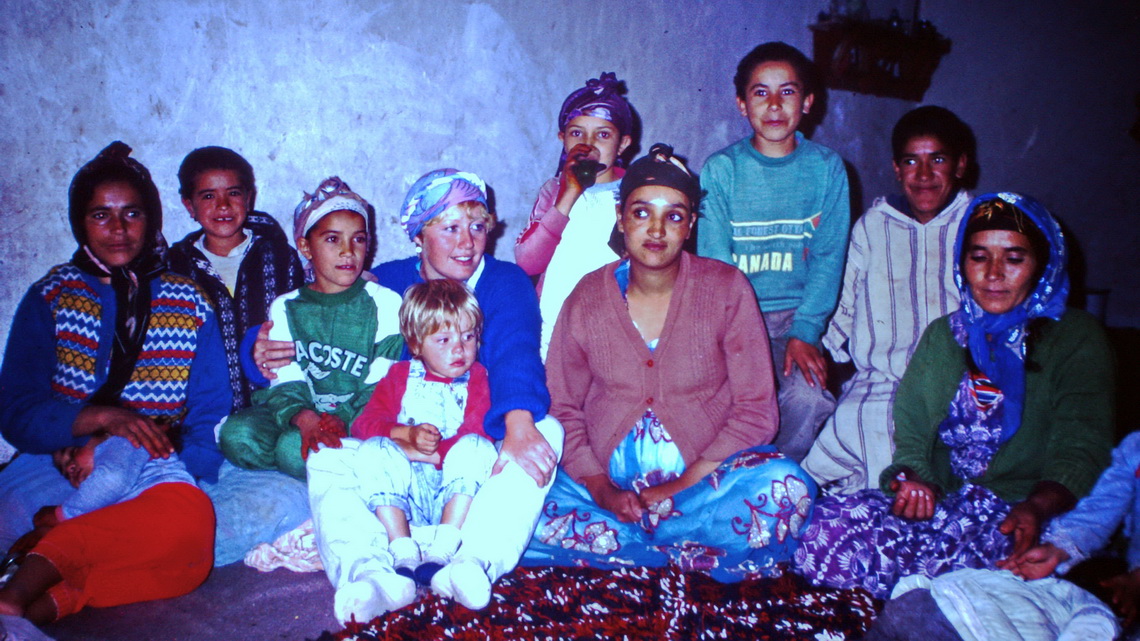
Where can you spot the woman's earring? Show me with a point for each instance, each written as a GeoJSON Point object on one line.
{"type": "Point", "coordinates": [419, 249]}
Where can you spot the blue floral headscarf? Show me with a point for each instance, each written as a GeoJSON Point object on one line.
{"type": "Point", "coordinates": [434, 193]}
{"type": "Point", "coordinates": [987, 410]}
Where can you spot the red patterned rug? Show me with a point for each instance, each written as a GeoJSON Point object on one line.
{"type": "Point", "coordinates": [637, 603]}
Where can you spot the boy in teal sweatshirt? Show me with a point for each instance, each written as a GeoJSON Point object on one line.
{"type": "Point", "coordinates": [777, 207]}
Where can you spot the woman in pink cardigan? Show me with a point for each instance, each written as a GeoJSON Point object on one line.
{"type": "Point", "coordinates": [660, 373]}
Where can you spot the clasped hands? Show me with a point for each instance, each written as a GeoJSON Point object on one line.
{"type": "Point", "coordinates": [419, 442]}
{"type": "Point", "coordinates": [318, 429]}
{"type": "Point", "coordinates": [629, 506]}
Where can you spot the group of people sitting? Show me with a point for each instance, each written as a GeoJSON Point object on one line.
{"type": "Point", "coordinates": [445, 421]}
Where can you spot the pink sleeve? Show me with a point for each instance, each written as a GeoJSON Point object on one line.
{"type": "Point", "coordinates": [755, 417]}
{"type": "Point", "coordinates": [379, 415]}
{"type": "Point", "coordinates": [536, 244]}
{"type": "Point", "coordinates": [478, 402]}
{"type": "Point", "coordinates": [570, 379]}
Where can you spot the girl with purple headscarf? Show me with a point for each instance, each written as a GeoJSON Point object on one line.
{"type": "Point", "coordinates": [573, 218]}
{"type": "Point", "coordinates": [1002, 420]}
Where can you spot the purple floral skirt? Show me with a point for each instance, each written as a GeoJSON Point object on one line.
{"type": "Point", "coordinates": [855, 541]}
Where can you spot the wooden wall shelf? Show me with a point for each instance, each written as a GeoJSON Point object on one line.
{"type": "Point", "coordinates": [875, 58]}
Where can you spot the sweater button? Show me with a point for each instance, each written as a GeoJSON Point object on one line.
{"type": "Point", "coordinates": [649, 401]}
{"type": "Point", "coordinates": [649, 363]}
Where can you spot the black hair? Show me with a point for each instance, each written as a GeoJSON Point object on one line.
{"type": "Point", "coordinates": [935, 121]}
{"type": "Point", "coordinates": [113, 165]}
{"type": "Point", "coordinates": [776, 52]}
{"type": "Point", "coordinates": [206, 159]}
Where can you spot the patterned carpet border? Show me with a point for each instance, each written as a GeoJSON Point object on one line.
{"type": "Point", "coordinates": [563, 604]}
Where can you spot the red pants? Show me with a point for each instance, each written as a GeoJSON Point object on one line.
{"type": "Point", "coordinates": [157, 545]}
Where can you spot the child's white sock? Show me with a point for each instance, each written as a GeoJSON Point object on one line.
{"type": "Point", "coordinates": [371, 595]}
{"type": "Point", "coordinates": [405, 556]}
{"type": "Point", "coordinates": [464, 580]}
{"type": "Point", "coordinates": [438, 553]}
{"type": "Point", "coordinates": [444, 546]}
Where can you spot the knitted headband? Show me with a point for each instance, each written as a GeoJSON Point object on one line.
{"type": "Point", "coordinates": [660, 167]}
{"type": "Point", "coordinates": [435, 192]}
{"type": "Point", "coordinates": [331, 195]}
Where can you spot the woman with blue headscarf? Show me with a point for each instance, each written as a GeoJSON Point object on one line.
{"type": "Point", "coordinates": [1003, 419]}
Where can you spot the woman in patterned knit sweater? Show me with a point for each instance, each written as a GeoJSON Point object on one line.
{"type": "Point", "coordinates": [109, 342]}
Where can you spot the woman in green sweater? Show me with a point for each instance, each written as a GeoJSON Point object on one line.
{"type": "Point", "coordinates": [1003, 419]}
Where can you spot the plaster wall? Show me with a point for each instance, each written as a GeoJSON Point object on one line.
{"type": "Point", "coordinates": [380, 92]}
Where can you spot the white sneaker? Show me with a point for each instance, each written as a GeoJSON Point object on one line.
{"type": "Point", "coordinates": [372, 595]}
{"type": "Point", "coordinates": [465, 581]}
